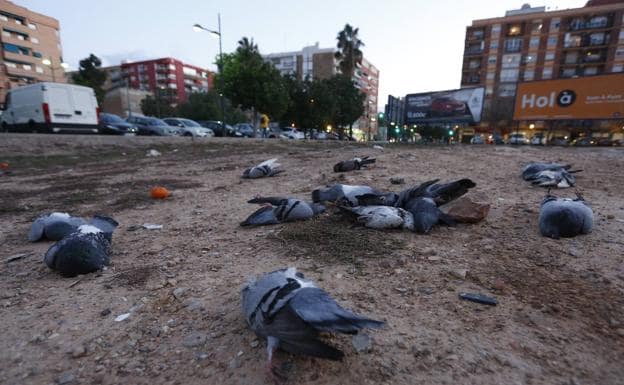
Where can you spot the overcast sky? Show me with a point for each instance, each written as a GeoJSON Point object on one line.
{"type": "Point", "coordinates": [416, 45]}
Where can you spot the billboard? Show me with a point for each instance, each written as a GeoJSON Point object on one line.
{"type": "Point", "coordinates": [593, 97]}
{"type": "Point", "coordinates": [454, 106]}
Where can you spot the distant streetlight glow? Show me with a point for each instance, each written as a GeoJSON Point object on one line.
{"type": "Point", "coordinates": [531, 126]}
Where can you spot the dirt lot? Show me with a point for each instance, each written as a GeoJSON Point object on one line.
{"type": "Point", "coordinates": [560, 318]}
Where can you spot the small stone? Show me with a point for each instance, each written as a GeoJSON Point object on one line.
{"type": "Point", "coordinates": [235, 363]}
{"type": "Point", "coordinates": [105, 312]}
{"type": "Point", "coordinates": [620, 332]}
{"type": "Point", "coordinates": [459, 273]}
{"type": "Point", "coordinates": [425, 290]}
{"type": "Point", "coordinates": [614, 323]}
{"type": "Point", "coordinates": [66, 378]}
{"type": "Point", "coordinates": [79, 351]}
{"type": "Point", "coordinates": [418, 351]}
{"type": "Point", "coordinates": [361, 342]}
{"type": "Point", "coordinates": [179, 292]}
{"type": "Point", "coordinates": [397, 180]}
{"type": "Point", "coordinates": [434, 259]}
{"type": "Point", "coordinates": [499, 284]}
{"type": "Point", "coordinates": [401, 344]}
{"type": "Point", "coordinates": [194, 339]}
{"type": "Point", "coordinates": [201, 356]}
{"type": "Point", "coordinates": [610, 216]}
{"type": "Point", "coordinates": [429, 251]}
{"type": "Point", "coordinates": [193, 304]}
{"type": "Point", "coordinates": [466, 210]}
{"type": "Point", "coordinates": [488, 248]}
{"type": "Point", "coordinates": [575, 252]}
{"type": "Point", "coordinates": [255, 343]}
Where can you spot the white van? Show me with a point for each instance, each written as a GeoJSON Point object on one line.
{"type": "Point", "coordinates": [51, 107]}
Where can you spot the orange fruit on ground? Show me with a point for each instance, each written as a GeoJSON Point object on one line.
{"type": "Point", "coordinates": [159, 192]}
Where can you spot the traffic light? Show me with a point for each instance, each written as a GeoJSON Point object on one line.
{"type": "Point", "coordinates": [451, 132]}
{"type": "Point", "coordinates": [397, 130]}
{"type": "Point", "coordinates": [380, 115]}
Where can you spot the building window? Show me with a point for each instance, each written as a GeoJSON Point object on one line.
{"type": "Point", "coordinates": [11, 48]}
{"type": "Point", "coordinates": [10, 64]}
{"type": "Point", "coordinates": [4, 18]}
{"type": "Point", "coordinates": [549, 56]}
{"type": "Point", "coordinates": [590, 71]}
{"type": "Point", "coordinates": [490, 76]}
{"type": "Point", "coordinates": [570, 41]}
{"type": "Point", "coordinates": [568, 72]}
{"type": "Point", "coordinates": [171, 76]}
{"type": "Point", "coordinates": [20, 37]}
{"type": "Point", "coordinates": [172, 86]}
{"type": "Point", "coordinates": [32, 26]}
{"type": "Point", "coordinates": [619, 53]}
{"type": "Point", "coordinates": [621, 37]}
{"type": "Point", "coordinates": [577, 23]}
{"type": "Point", "coordinates": [494, 44]}
{"type": "Point", "coordinates": [554, 25]}
{"type": "Point", "coordinates": [39, 70]}
{"type": "Point", "coordinates": [489, 90]}
{"type": "Point", "coordinates": [552, 41]}
{"type": "Point", "coordinates": [598, 22]}
{"type": "Point", "coordinates": [506, 90]}
{"type": "Point", "coordinates": [571, 57]}
{"type": "Point", "coordinates": [474, 64]}
{"type": "Point", "coordinates": [511, 61]}
{"type": "Point", "coordinates": [617, 68]}
{"type": "Point", "coordinates": [18, 22]}
{"type": "Point", "coordinates": [536, 26]}
{"type": "Point", "coordinates": [6, 33]}
{"type": "Point", "coordinates": [534, 42]}
{"type": "Point", "coordinates": [496, 28]}
{"type": "Point", "coordinates": [598, 38]}
{"type": "Point", "coordinates": [529, 74]}
{"type": "Point", "coordinates": [171, 67]}
{"type": "Point", "coordinates": [530, 59]}
{"type": "Point", "coordinates": [492, 59]}
{"type": "Point", "coordinates": [34, 40]}
{"type": "Point", "coordinates": [27, 67]}
{"type": "Point", "coordinates": [547, 73]}
{"type": "Point", "coordinates": [514, 30]}
{"type": "Point", "coordinates": [37, 54]}
{"type": "Point", "coordinates": [513, 45]}
{"type": "Point", "coordinates": [509, 75]}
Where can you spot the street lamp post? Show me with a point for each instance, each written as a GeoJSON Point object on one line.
{"type": "Point", "coordinates": [48, 62]}
{"type": "Point", "coordinates": [198, 28]}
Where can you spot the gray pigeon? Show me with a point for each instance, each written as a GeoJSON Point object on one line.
{"type": "Point", "coordinates": [353, 164]}
{"type": "Point", "coordinates": [56, 225]}
{"type": "Point", "coordinates": [279, 210]}
{"type": "Point", "coordinates": [266, 168]}
{"type": "Point", "coordinates": [83, 251]}
{"type": "Point", "coordinates": [532, 169]}
{"type": "Point", "coordinates": [564, 217]}
{"type": "Point", "coordinates": [555, 178]}
{"type": "Point", "coordinates": [342, 193]}
{"type": "Point", "coordinates": [382, 217]}
{"type": "Point", "coordinates": [290, 312]}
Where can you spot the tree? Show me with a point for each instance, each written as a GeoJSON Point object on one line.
{"type": "Point", "coordinates": [349, 102]}
{"type": "Point", "coordinates": [349, 53]}
{"type": "Point", "coordinates": [207, 106]}
{"type": "Point", "coordinates": [251, 83]}
{"type": "Point", "coordinates": [158, 105]}
{"type": "Point", "coordinates": [90, 75]}
{"type": "Point", "coordinates": [499, 113]}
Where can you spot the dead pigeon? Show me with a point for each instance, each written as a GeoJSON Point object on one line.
{"type": "Point", "coordinates": [290, 312]}
{"type": "Point", "coordinates": [279, 210]}
{"type": "Point", "coordinates": [555, 178]}
{"type": "Point", "coordinates": [342, 193]}
{"type": "Point", "coordinates": [353, 164]}
{"type": "Point", "coordinates": [532, 169]}
{"type": "Point", "coordinates": [381, 217]}
{"type": "Point", "coordinates": [56, 225]}
{"type": "Point", "coordinates": [564, 217]}
{"type": "Point", "coordinates": [83, 251]}
{"type": "Point", "coordinates": [266, 168]}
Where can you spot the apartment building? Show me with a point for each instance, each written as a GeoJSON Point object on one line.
{"type": "Point", "coordinates": [532, 43]}
{"type": "Point", "coordinates": [166, 76]}
{"type": "Point", "coordinates": [31, 48]}
{"type": "Point", "coordinates": [319, 63]}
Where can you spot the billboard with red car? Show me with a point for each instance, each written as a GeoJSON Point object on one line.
{"type": "Point", "coordinates": [457, 106]}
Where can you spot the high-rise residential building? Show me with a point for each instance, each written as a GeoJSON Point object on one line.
{"type": "Point", "coordinates": [165, 76]}
{"type": "Point", "coordinates": [319, 63]}
{"type": "Point", "coordinates": [31, 48]}
{"type": "Point", "coordinates": [532, 43]}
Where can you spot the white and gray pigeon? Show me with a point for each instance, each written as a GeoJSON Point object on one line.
{"type": "Point", "coordinates": [532, 169]}
{"type": "Point", "coordinates": [290, 312]}
{"type": "Point", "coordinates": [56, 225]}
{"type": "Point", "coordinates": [342, 194]}
{"type": "Point", "coordinates": [83, 251]}
{"type": "Point", "coordinates": [266, 168]}
{"type": "Point", "coordinates": [555, 178]}
{"type": "Point", "coordinates": [382, 217]}
{"type": "Point", "coordinates": [279, 210]}
{"type": "Point", "coordinates": [564, 217]}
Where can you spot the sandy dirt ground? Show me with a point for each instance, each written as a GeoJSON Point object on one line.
{"type": "Point", "coordinates": [560, 317]}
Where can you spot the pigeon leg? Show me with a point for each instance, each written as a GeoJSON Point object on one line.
{"type": "Point", "coordinates": [271, 368]}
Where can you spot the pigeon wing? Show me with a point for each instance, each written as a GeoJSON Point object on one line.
{"type": "Point", "coordinates": [37, 228]}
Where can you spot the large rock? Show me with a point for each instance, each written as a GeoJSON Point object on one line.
{"type": "Point", "coordinates": [467, 209]}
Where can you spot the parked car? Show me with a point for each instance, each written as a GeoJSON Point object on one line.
{"type": "Point", "coordinates": [518, 139]}
{"type": "Point", "coordinates": [217, 127]}
{"type": "Point", "coordinates": [318, 135]}
{"type": "Point", "coordinates": [112, 124]}
{"type": "Point", "coordinates": [538, 140]}
{"type": "Point", "coordinates": [583, 142]}
{"type": "Point", "coordinates": [148, 125]}
{"type": "Point", "coordinates": [495, 139]}
{"type": "Point", "coordinates": [274, 132]}
{"type": "Point", "coordinates": [246, 129]}
{"type": "Point", "coordinates": [608, 141]}
{"type": "Point", "coordinates": [292, 133]}
{"type": "Point", "coordinates": [188, 127]}
{"type": "Point", "coordinates": [51, 107]}
{"type": "Point", "coordinates": [558, 141]}
{"type": "Point", "coordinates": [446, 106]}
{"type": "Point", "coordinates": [477, 139]}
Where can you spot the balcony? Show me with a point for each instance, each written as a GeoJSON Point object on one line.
{"type": "Point", "coordinates": [20, 72]}
{"type": "Point", "coordinates": [473, 51]}
{"type": "Point", "coordinates": [162, 69]}
{"type": "Point", "coordinates": [596, 22]}
{"type": "Point", "coordinates": [475, 34]}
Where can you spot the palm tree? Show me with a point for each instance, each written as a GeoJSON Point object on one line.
{"type": "Point", "coordinates": [247, 45]}
{"type": "Point", "coordinates": [349, 53]}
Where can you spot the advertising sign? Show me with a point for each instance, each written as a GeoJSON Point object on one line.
{"type": "Point", "coordinates": [593, 97]}
{"type": "Point", "coordinates": [456, 106]}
